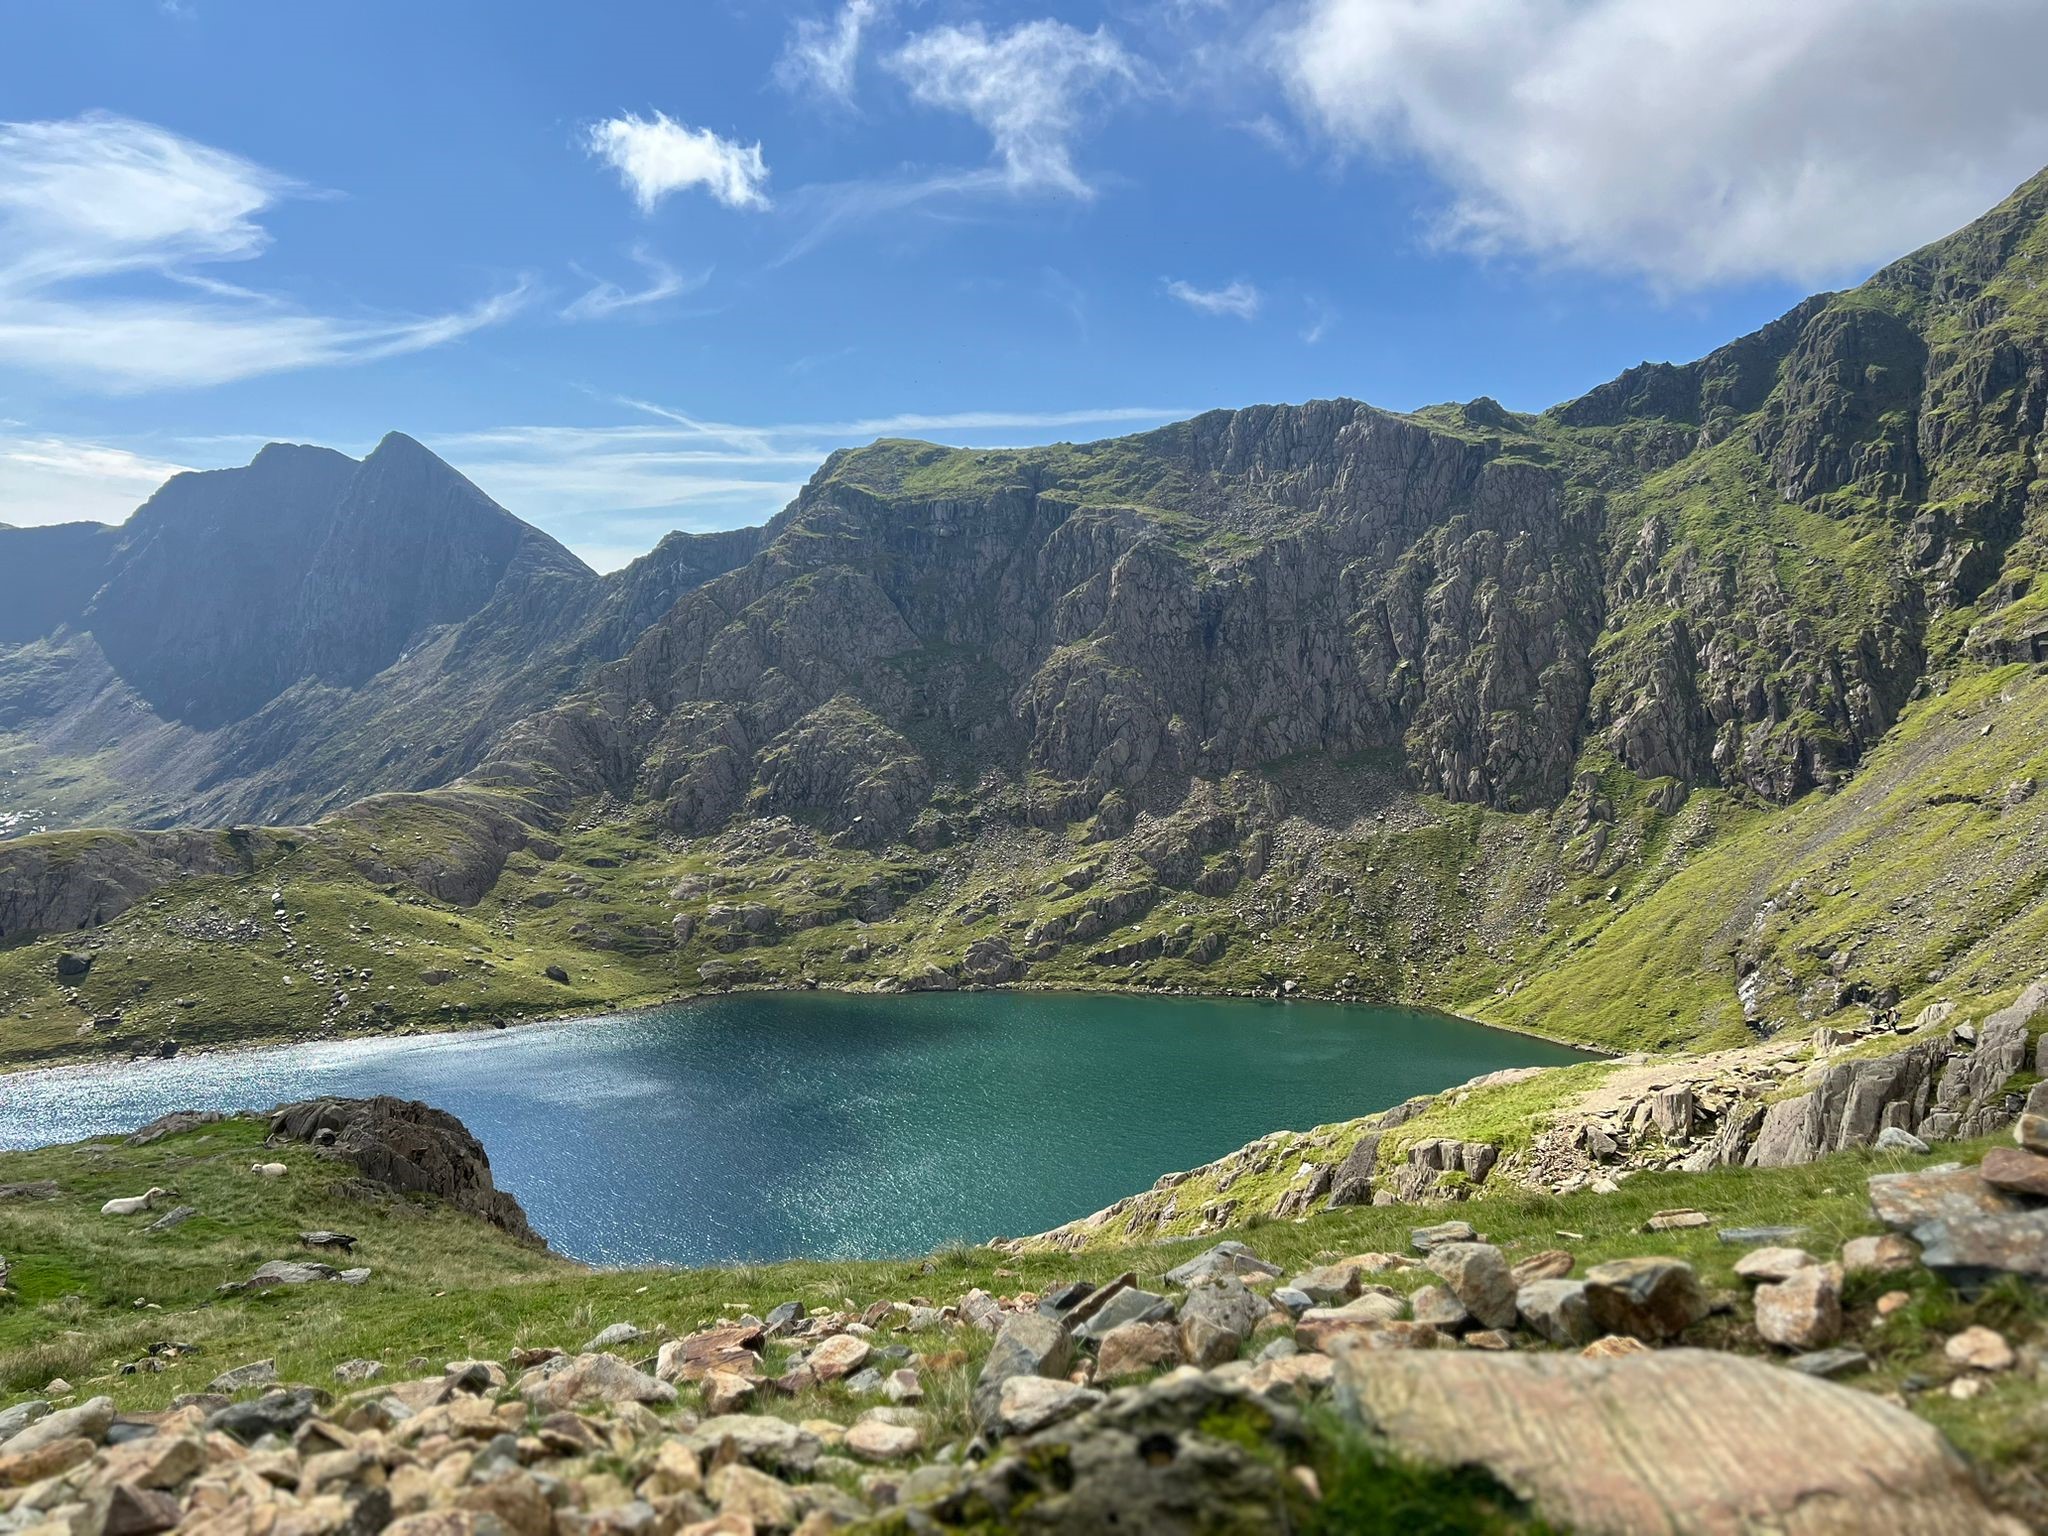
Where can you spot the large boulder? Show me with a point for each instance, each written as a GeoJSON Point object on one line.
{"type": "Point", "coordinates": [413, 1148]}
{"type": "Point", "coordinates": [1681, 1441]}
{"type": "Point", "coordinates": [1969, 1232]}
{"type": "Point", "coordinates": [1850, 1103]}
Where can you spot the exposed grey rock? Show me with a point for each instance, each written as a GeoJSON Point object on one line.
{"type": "Point", "coordinates": [1226, 1258]}
{"type": "Point", "coordinates": [1969, 1232]}
{"type": "Point", "coordinates": [1653, 1299]}
{"type": "Point", "coordinates": [1026, 1345]}
{"type": "Point", "coordinates": [275, 1413]}
{"type": "Point", "coordinates": [402, 1145]}
{"type": "Point", "coordinates": [257, 1373]}
{"type": "Point", "coordinates": [1028, 1403]}
{"type": "Point", "coordinates": [1557, 1310]}
{"type": "Point", "coordinates": [1804, 1310]}
{"type": "Point", "coordinates": [1128, 1305]}
{"type": "Point", "coordinates": [1850, 1103]}
{"type": "Point", "coordinates": [1681, 1440]}
{"type": "Point", "coordinates": [1478, 1275]}
{"type": "Point", "coordinates": [1830, 1363]}
{"type": "Point", "coordinates": [2031, 1130]}
{"type": "Point", "coordinates": [758, 1439]}
{"type": "Point", "coordinates": [1217, 1318]}
{"type": "Point", "coordinates": [89, 1420]}
{"type": "Point", "coordinates": [14, 1420]}
{"type": "Point", "coordinates": [175, 1217]}
{"type": "Point", "coordinates": [1427, 1239]}
{"type": "Point", "coordinates": [1893, 1139]}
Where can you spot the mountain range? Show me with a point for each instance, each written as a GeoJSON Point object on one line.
{"type": "Point", "coordinates": [1704, 705]}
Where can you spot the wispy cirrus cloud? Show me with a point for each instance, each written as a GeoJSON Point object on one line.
{"type": "Point", "coordinates": [657, 156]}
{"type": "Point", "coordinates": [605, 298]}
{"type": "Point", "coordinates": [1239, 298]}
{"type": "Point", "coordinates": [823, 56]}
{"type": "Point", "coordinates": [49, 479]}
{"type": "Point", "coordinates": [91, 206]}
{"type": "Point", "coordinates": [1032, 89]}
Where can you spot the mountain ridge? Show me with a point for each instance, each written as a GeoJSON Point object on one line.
{"type": "Point", "coordinates": [1446, 706]}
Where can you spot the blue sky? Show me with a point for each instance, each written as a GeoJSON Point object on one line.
{"type": "Point", "coordinates": [639, 266]}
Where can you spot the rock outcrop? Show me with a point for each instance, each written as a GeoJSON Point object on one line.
{"type": "Point", "coordinates": [411, 1148]}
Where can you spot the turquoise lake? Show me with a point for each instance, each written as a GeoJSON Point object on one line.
{"type": "Point", "coordinates": [773, 1125]}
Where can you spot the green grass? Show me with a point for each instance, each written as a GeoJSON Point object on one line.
{"type": "Point", "coordinates": [93, 1292]}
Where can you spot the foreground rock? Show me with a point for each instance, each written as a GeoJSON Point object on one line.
{"type": "Point", "coordinates": [1680, 1441]}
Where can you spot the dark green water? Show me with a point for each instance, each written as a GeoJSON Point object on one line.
{"type": "Point", "coordinates": [774, 1125]}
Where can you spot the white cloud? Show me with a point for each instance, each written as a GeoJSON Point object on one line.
{"type": "Point", "coordinates": [1692, 143]}
{"type": "Point", "coordinates": [63, 480]}
{"type": "Point", "coordinates": [1238, 298]}
{"type": "Point", "coordinates": [823, 55]}
{"type": "Point", "coordinates": [658, 155]}
{"type": "Point", "coordinates": [1030, 88]}
{"type": "Point", "coordinates": [96, 198]}
{"type": "Point", "coordinates": [605, 297]}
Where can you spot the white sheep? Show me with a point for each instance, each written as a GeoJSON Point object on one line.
{"type": "Point", "coordinates": [133, 1203]}
{"type": "Point", "coordinates": [269, 1170]}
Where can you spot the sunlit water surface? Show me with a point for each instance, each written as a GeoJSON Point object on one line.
{"type": "Point", "coordinates": [767, 1126]}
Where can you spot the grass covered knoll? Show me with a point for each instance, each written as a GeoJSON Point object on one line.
{"type": "Point", "coordinates": [92, 1293]}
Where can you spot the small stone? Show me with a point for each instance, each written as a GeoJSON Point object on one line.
{"type": "Point", "coordinates": [359, 1370]}
{"type": "Point", "coordinates": [1217, 1319]}
{"type": "Point", "coordinates": [1226, 1258]}
{"type": "Point", "coordinates": [1127, 1305]}
{"type": "Point", "coordinates": [1829, 1363]}
{"type": "Point", "coordinates": [864, 1382]}
{"type": "Point", "coordinates": [1136, 1348]}
{"type": "Point", "coordinates": [839, 1357]}
{"type": "Point", "coordinates": [1557, 1310]}
{"type": "Point", "coordinates": [725, 1392]}
{"type": "Point", "coordinates": [1030, 1403]}
{"type": "Point", "coordinates": [1885, 1254]}
{"type": "Point", "coordinates": [1891, 1301]}
{"type": "Point", "coordinates": [903, 1386]}
{"type": "Point", "coordinates": [1438, 1307]}
{"type": "Point", "coordinates": [1478, 1275]}
{"type": "Point", "coordinates": [1979, 1349]}
{"type": "Point", "coordinates": [1026, 1345]}
{"type": "Point", "coordinates": [1803, 1311]}
{"type": "Point", "coordinates": [2017, 1171]}
{"type": "Point", "coordinates": [1330, 1285]}
{"type": "Point", "coordinates": [90, 1420]}
{"type": "Point", "coordinates": [765, 1502]}
{"type": "Point", "coordinates": [1294, 1302]}
{"type": "Point", "coordinates": [783, 1319]}
{"type": "Point", "coordinates": [1427, 1238]}
{"type": "Point", "coordinates": [1488, 1338]}
{"type": "Point", "coordinates": [589, 1379]}
{"type": "Point", "coordinates": [1652, 1299]}
{"type": "Point", "coordinates": [1897, 1139]}
{"type": "Point", "coordinates": [1551, 1264]}
{"type": "Point", "coordinates": [615, 1335]}
{"type": "Point", "coordinates": [1676, 1221]}
{"type": "Point", "coordinates": [1613, 1347]}
{"type": "Point", "coordinates": [257, 1373]}
{"type": "Point", "coordinates": [876, 1440]}
{"type": "Point", "coordinates": [2031, 1129]}
{"type": "Point", "coordinates": [1752, 1237]}
{"type": "Point", "coordinates": [1772, 1263]}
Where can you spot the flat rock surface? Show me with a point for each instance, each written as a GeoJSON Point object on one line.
{"type": "Point", "coordinates": [1678, 1441]}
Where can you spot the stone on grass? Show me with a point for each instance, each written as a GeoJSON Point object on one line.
{"type": "Point", "coordinates": [1969, 1232]}
{"type": "Point", "coordinates": [1329, 1285]}
{"type": "Point", "coordinates": [2031, 1129]}
{"type": "Point", "coordinates": [1217, 1318]}
{"type": "Point", "coordinates": [1885, 1254]}
{"type": "Point", "coordinates": [879, 1440]}
{"type": "Point", "coordinates": [1293, 1302]}
{"type": "Point", "coordinates": [359, 1370]}
{"type": "Point", "coordinates": [903, 1386]}
{"type": "Point", "coordinates": [1894, 1138]}
{"type": "Point", "coordinates": [782, 1319]}
{"type": "Point", "coordinates": [1752, 1237]}
{"type": "Point", "coordinates": [1679, 1441]}
{"type": "Point", "coordinates": [1839, 1361]}
{"type": "Point", "coordinates": [90, 1420]}
{"type": "Point", "coordinates": [610, 1338]}
{"type": "Point", "coordinates": [257, 1373]}
{"type": "Point", "coordinates": [1373, 1309]}
{"type": "Point", "coordinates": [592, 1379]}
{"type": "Point", "coordinates": [1765, 1264]}
{"type": "Point", "coordinates": [839, 1357]}
{"type": "Point", "coordinates": [733, 1348]}
{"type": "Point", "coordinates": [1029, 1403]}
{"type": "Point", "coordinates": [1478, 1275]}
{"type": "Point", "coordinates": [1438, 1307]}
{"type": "Point", "coordinates": [1026, 1345]}
{"type": "Point", "coordinates": [1128, 1305]}
{"type": "Point", "coordinates": [1556, 1309]}
{"type": "Point", "coordinates": [980, 1310]}
{"type": "Point", "coordinates": [2016, 1171]}
{"type": "Point", "coordinates": [1652, 1299]}
{"type": "Point", "coordinates": [1551, 1264]}
{"type": "Point", "coordinates": [1226, 1258]}
{"type": "Point", "coordinates": [1802, 1311]}
{"type": "Point", "coordinates": [1979, 1349]}
{"type": "Point", "coordinates": [727, 1392]}
{"type": "Point", "coordinates": [14, 1420]}
{"type": "Point", "coordinates": [1677, 1220]}
{"type": "Point", "coordinates": [1427, 1238]}
{"type": "Point", "coordinates": [1135, 1348]}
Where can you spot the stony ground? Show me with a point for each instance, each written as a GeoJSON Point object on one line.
{"type": "Point", "coordinates": [1800, 1345]}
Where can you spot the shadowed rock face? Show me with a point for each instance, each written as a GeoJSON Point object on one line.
{"type": "Point", "coordinates": [413, 1148]}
